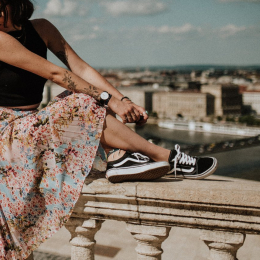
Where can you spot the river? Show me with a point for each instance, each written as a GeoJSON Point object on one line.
{"type": "Point", "coordinates": [242, 163]}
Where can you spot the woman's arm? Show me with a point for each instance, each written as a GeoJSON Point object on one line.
{"type": "Point", "coordinates": [14, 53]}
{"type": "Point", "coordinates": [58, 45]}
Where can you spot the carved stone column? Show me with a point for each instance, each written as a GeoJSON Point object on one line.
{"type": "Point", "coordinates": [222, 245]}
{"type": "Point", "coordinates": [149, 240]}
{"type": "Point", "coordinates": [83, 233]}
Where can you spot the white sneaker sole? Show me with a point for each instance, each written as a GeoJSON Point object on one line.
{"type": "Point", "coordinates": [146, 172]}
{"type": "Point", "coordinates": [201, 176]}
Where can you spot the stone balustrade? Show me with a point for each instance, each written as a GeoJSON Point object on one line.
{"type": "Point", "coordinates": [224, 209]}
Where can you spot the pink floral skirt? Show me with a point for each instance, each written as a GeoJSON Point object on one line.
{"type": "Point", "coordinates": [45, 157]}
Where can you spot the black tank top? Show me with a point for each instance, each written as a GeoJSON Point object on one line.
{"type": "Point", "coordinates": [19, 87]}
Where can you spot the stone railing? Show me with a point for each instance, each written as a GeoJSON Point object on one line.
{"type": "Point", "coordinates": [225, 210]}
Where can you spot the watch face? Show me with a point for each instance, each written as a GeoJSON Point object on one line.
{"type": "Point", "coordinates": [104, 95]}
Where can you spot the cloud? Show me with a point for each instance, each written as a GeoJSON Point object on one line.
{"type": "Point", "coordinates": [80, 37]}
{"type": "Point", "coordinates": [186, 28]}
{"type": "Point", "coordinates": [230, 30]}
{"type": "Point", "coordinates": [189, 31]}
{"type": "Point", "coordinates": [61, 8]}
{"type": "Point", "coordinates": [84, 31]}
{"type": "Point", "coordinates": [186, 31]}
{"type": "Point", "coordinates": [134, 7]}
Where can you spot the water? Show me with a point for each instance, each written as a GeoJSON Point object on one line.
{"type": "Point", "coordinates": [243, 163]}
{"type": "Point", "coordinates": [169, 137]}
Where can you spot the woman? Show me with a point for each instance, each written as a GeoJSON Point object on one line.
{"type": "Point", "coordinates": [46, 155]}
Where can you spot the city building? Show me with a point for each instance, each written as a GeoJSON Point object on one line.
{"type": "Point", "coordinates": [252, 99]}
{"type": "Point", "coordinates": [188, 104]}
{"type": "Point", "coordinates": [228, 100]}
{"type": "Point", "coordinates": [143, 96]}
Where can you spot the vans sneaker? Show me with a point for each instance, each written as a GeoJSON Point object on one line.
{"type": "Point", "coordinates": [135, 167]}
{"type": "Point", "coordinates": [185, 166]}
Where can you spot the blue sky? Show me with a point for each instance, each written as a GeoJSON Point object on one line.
{"type": "Point", "coordinates": [118, 33]}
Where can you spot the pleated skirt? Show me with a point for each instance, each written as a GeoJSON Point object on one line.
{"type": "Point", "coordinates": [45, 157]}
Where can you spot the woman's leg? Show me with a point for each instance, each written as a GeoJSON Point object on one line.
{"type": "Point", "coordinates": [117, 135]}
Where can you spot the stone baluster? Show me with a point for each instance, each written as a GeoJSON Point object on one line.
{"type": "Point", "coordinates": [222, 245]}
{"type": "Point", "coordinates": [83, 233]}
{"type": "Point", "coordinates": [149, 240]}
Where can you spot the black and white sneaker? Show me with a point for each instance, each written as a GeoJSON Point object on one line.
{"type": "Point", "coordinates": [185, 166]}
{"type": "Point", "coordinates": [135, 167]}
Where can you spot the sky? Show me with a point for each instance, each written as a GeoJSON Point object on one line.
{"type": "Point", "coordinates": [138, 33]}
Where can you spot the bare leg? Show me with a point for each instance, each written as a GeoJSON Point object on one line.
{"type": "Point", "coordinates": [117, 135]}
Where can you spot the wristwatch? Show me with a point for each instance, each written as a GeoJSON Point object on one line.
{"type": "Point", "coordinates": [104, 98]}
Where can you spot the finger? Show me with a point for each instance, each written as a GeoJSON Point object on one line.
{"type": "Point", "coordinates": [129, 118]}
{"type": "Point", "coordinates": [143, 112]}
{"type": "Point", "coordinates": [124, 119]}
{"type": "Point", "coordinates": [145, 115]}
{"type": "Point", "coordinates": [137, 114]}
{"type": "Point", "coordinates": [134, 117]}
{"type": "Point", "coordinates": [143, 118]}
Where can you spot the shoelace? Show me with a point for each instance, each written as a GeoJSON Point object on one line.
{"type": "Point", "coordinates": [141, 157]}
{"type": "Point", "coordinates": [182, 158]}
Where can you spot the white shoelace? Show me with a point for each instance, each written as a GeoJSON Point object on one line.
{"type": "Point", "coordinates": [141, 157]}
{"type": "Point", "coordinates": [182, 158]}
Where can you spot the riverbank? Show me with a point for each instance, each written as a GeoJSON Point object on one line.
{"type": "Point", "coordinates": [205, 127]}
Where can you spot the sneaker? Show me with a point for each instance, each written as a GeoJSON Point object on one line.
{"type": "Point", "coordinates": [135, 167]}
{"type": "Point", "coordinates": [185, 166]}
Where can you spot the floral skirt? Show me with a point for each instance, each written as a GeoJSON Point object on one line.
{"type": "Point", "coordinates": [45, 157]}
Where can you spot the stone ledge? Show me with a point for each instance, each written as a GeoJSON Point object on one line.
{"type": "Point", "coordinates": [216, 203]}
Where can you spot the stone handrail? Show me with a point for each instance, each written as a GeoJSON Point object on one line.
{"type": "Point", "coordinates": [224, 209]}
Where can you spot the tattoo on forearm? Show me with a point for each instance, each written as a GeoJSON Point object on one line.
{"type": "Point", "coordinates": [92, 91]}
{"type": "Point", "coordinates": [63, 57]}
{"type": "Point", "coordinates": [70, 83]}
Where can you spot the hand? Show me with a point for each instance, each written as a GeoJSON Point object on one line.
{"type": "Point", "coordinates": [143, 114]}
{"type": "Point", "coordinates": [127, 110]}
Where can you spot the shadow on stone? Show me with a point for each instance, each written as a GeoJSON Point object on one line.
{"type": "Point", "coordinates": [216, 180]}
{"type": "Point", "coordinates": [47, 256]}
{"type": "Point", "coordinates": [107, 251]}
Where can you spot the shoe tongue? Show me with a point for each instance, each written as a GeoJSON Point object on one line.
{"type": "Point", "coordinates": [173, 153]}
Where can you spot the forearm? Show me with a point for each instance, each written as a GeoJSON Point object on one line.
{"type": "Point", "coordinates": [92, 76]}
{"type": "Point", "coordinates": [67, 79]}
{"type": "Point", "coordinates": [58, 45]}
{"type": "Point", "coordinates": [76, 84]}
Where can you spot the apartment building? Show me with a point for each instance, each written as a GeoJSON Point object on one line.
{"type": "Point", "coordinates": [228, 100]}
{"type": "Point", "coordinates": [191, 105]}
{"type": "Point", "coordinates": [143, 96]}
{"type": "Point", "coordinates": [252, 99]}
